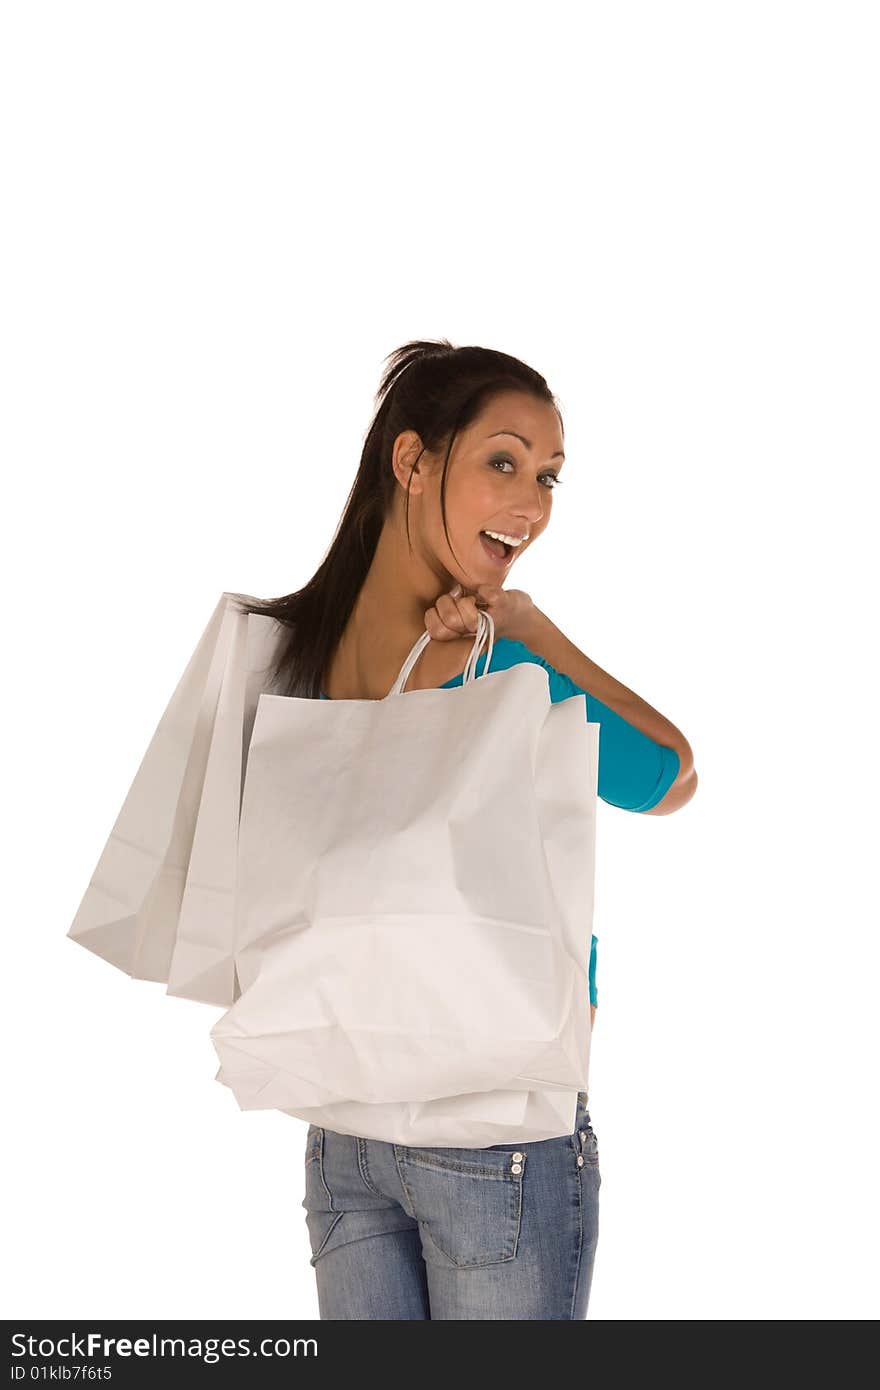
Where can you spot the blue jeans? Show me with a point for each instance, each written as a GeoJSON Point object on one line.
{"type": "Point", "coordinates": [398, 1232]}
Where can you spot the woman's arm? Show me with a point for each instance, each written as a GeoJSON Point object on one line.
{"type": "Point", "coordinates": [544, 637]}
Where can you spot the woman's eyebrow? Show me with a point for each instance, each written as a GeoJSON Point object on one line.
{"type": "Point", "coordinates": [528, 443]}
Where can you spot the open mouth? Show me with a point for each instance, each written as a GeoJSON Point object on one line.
{"type": "Point", "coordinates": [499, 551]}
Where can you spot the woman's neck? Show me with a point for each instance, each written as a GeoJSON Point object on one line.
{"type": "Point", "coordinates": [387, 619]}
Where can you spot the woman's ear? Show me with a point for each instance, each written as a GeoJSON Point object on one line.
{"type": "Point", "coordinates": [404, 460]}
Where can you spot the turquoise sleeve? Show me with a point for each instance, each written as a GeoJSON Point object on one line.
{"type": "Point", "coordinates": [635, 772]}
{"type": "Point", "coordinates": [594, 998]}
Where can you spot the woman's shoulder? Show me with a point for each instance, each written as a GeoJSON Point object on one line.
{"type": "Point", "coordinates": [509, 651]}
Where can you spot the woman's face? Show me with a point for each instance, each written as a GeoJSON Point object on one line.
{"type": "Point", "coordinates": [501, 477]}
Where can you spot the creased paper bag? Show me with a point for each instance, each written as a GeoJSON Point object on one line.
{"type": "Point", "coordinates": [160, 904]}
{"type": "Point", "coordinates": [414, 911]}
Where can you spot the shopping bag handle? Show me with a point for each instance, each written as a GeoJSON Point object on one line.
{"type": "Point", "coordinates": [485, 627]}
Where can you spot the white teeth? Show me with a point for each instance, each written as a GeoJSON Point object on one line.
{"type": "Point", "coordinates": [508, 540]}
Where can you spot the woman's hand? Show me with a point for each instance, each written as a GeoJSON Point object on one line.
{"type": "Point", "coordinates": [454, 614]}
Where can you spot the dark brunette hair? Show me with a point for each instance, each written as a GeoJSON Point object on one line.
{"type": "Point", "coordinates": [430, 387]}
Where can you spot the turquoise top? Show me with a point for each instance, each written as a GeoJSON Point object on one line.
{"type": "Point", "coordinates": [635, 772]}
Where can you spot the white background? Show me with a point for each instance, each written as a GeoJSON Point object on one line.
{"type": "Point", "coordinates": [219, 219]}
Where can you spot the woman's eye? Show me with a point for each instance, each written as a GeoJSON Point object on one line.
{"type": "Point", "coordinates": [550, 485]}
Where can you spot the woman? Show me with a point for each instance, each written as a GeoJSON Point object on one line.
{"type": "Point", "coordinates": [456, 480]}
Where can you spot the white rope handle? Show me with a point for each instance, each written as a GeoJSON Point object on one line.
{"type": "Point", "coordinates": [485, 627]}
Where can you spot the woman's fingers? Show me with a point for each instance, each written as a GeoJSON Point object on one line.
{"type": "Point", "coordinates": [459, 614]}
{"type": "Point", "coordinates": [451, 617]}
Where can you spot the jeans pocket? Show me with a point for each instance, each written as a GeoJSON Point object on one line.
{"type": "Point", "coordinates": [468, 1202]}
{"type": "Point", "coordinates": [321, 1216]}
{"type": "Point", "coordinates": [587, 1149]}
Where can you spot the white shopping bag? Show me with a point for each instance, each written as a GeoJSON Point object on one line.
{"type": "Point", "coordinates": [414, 910]}
{"type": "Point", "coordinates": [160, 902]}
